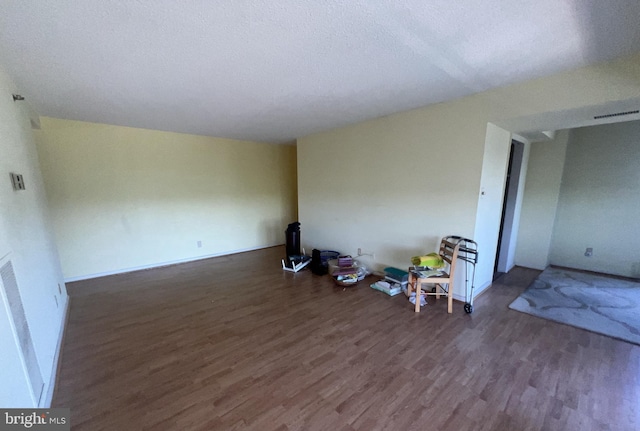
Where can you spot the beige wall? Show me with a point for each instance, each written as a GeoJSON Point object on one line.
{"type": "Point", "coordinates": [125, 198]}
{"type": "Point", "coordinates": [380, 185]}
{"type": "Point", "coordinates": [26, 241]}
{"type": "Point", "coordinates": [599, 202]}
{"type": "Point", "coordinates": [394, 185]}
{"type": "Point", "coordinates": [541, 193]}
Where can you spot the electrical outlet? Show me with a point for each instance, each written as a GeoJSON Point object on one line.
{"type": "Point", "coordinates": [199, 244]}
{"type": "Point", "coordinates": [589, 252]}
{"type": "Point", "coordinates": [360, 253]}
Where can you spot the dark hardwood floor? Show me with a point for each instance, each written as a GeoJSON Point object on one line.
{"type": "Point", "coordinates": [235, 343]}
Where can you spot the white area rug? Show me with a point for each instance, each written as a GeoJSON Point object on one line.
{"type": "Point", "coordinates": [600, 304]}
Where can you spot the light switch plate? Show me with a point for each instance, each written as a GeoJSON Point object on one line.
{"type": "Point", "coordinates": [17, 181]}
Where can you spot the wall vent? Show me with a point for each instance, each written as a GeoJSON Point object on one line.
{"type": "Point", "coordinates": [23, 332]}
{"type": "Point", "coordinates": [617, 114]}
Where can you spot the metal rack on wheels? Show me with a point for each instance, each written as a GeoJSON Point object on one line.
{"type": "Point", "coordinates": [468, 252]}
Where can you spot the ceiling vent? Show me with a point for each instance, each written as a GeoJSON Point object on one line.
{"type": "Point", "coordinates": [617, 114]}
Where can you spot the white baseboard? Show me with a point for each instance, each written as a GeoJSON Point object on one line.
{"type": "Point", "coordinates": [161, 264]}
{"type": "Point", "coordinates": [476, 291]}
{"type": "Point", "coordinates": [51, 387]}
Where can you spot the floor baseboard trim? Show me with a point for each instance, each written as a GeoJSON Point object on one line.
{"type": "Point", "coordinates": [57, 360]}
{"type": "Point", "coordinates": [603, 274]}
{"type": "Point", "coordinates": [162, 264]}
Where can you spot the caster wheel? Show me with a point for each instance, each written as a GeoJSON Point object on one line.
{"type": "Point", "coordinates": [468, 308]}
{"type": "Point", "coordinates": [433, 290]}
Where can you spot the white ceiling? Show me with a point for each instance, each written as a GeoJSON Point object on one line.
{"type": "Point", "coordinates": [274, 70]}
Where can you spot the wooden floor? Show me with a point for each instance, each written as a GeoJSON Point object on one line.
{"type": "Point", "coordinates": [236, 343]}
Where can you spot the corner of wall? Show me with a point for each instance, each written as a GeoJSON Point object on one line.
{"type": "Point", "coordinates": [55, 366]}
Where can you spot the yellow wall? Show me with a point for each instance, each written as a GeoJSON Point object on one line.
{"type": "Point", "coordinates": [393, 186]}
{"type": "Point", "coordinates": [125, 198]}
{"type": "Point", "coordinates": [378, 185]}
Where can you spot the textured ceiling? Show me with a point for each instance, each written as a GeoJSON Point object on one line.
{"type": "Point", "coordinates": [274, 70]}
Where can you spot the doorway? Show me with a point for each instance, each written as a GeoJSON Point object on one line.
{"type": "Point", "coordinates": [508, 226]}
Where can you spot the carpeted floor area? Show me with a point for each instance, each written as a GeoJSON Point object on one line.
{"type": "Point", "coordinates": [601, 304]}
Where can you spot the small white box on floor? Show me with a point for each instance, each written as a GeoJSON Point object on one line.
{"type": "Point", "coordinates": [390, 289]}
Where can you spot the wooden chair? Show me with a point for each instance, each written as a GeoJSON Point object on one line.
{"type": "Point", "coordinates": [443, 283]}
